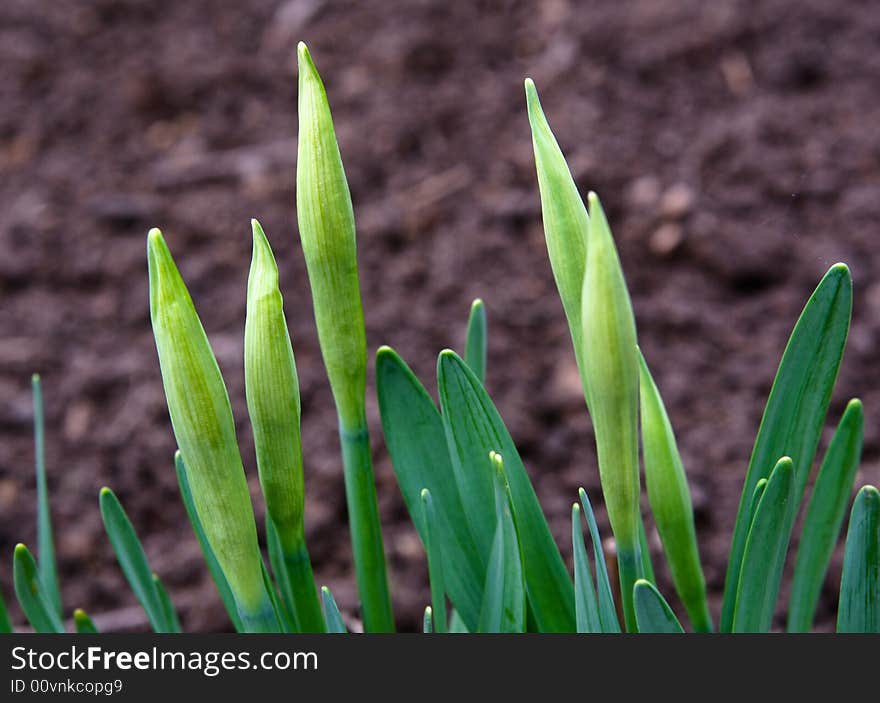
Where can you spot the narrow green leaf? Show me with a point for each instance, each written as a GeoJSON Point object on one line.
{"type": "Point", "coordinates": [5, 621]}
{"type": "Point", "coordinates": [670, 500]}
{"type": "Point", "coordinates": [586, 606]}
{"type": "Point", "coordinates": [796, 409]}
{"type": "Point", "coordinates": [331, 613]}
{"type": "Point", "coordinates": [653, 613]}
{"type": "Point", "coordinates": [607, 611]}
{"type": "Point", "coordinates": [435, 560]}
{"type": "Point", "coordinates": [764, 554]}
{"type": "Point", "coordinates": [504, 600]}
{"type": "Point", "coordinates": [47, 565]}
{"type": "Point", "coordinates": [473, 429]}
{"type": "Point", "coordinates": [825, 515]}
{"type": "Point", "coordinates": [132, 558]}
{"type": "Point", "coordinates": [32, 598]}
{"type": "Point", "coordinates": [83, 623]}
{"type": "Point", "coordinates": [475, 349]}
{"type": "Point", "coordinates": [283, 619]}
{"type": "Point", "coordinates": [169, 612]}
{"type": "Point", "coordinates": [428, 621]}
{"type": "Point", "coordinates": [416, 441]}
{"type": "Point", "coordinates": [210, 559]}
{"type": "Point", "coordinates": [859, 608]}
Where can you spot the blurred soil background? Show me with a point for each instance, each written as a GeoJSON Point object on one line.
{"type": "Point", "coordinates": [735, 145]}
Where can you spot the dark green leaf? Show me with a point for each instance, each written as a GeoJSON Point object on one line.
{"type": "Point", "coordinates": [607, 612]}
{"type": "Point", "coordinates": [331, 613]}
{"type": "Point", "coordinates": [416, 441]}
{"type": "Point", "coordinates": [83, 623]}
{"type": "Point", "coordinates": [475, 347]}
{"type": "Point", "coordinates": [435, 561]}
{"type": "Point", "coordinates": [48, 567]}
{"type": "Point", "coordinates": [796, 408]}
{"type": "Point", "coordinates": [504, 602]}
{"type": "Point", "coordinates": [473, 429]}
{"type": "Point", "coordinates": [5, 622]}
{"type": "Point", "coordinates": [764, 554]}
{"type": "Point", "coordinates": [31, 595]}
{"type": "Point", "coordinates": [859, 608]}
{"type": "Point", "coordinates": [586, 607]}
{"type": "Point", "coordinates": [169, 613]}
{"type": "Point", "coordinates": [131, 557]}
{"type": "Point", "coordinates": [653, 613]}
{"type": "Point", "coordinates": [825, 517]}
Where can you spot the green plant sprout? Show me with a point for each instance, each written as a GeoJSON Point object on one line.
{"type": "Point", "coordinates": [493, 564]}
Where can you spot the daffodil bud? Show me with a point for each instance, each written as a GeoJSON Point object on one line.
{"type": "Point", "coordinates": [203, 426]}
{"type": "Point", "coordinates": [565, 217]}
{"type": "Point", "coordinates": [612, 375]}
{"type": "Point", "coordinates": [272, 390]}
{"type": "Point", "coordinates": [326, 227]}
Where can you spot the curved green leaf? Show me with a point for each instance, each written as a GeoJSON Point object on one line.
{"type": "Point", "coordinates": [83, 623]}
{"type": "Point", "coordinates": [504, 600]}
{"type": "Point", "coordinates": [653, 613]}
{"type": "Point", "coordinates": [607, 612]}
{"type": "Point", "coordinates": [764, 554]}
{"type": "Point", "coordinates": [859, 608]}
{"type": "Point", "coordinates": [331, 613]}
{"type": "Point", "coordinates": [475, 349]}
{"type": "Point", "coordinates": [825, 515]}
{"type": "Point", "coordinates": [473, 429]}
{"type": "Point", "coordinates": [586, 606]}
{"type": "Point", "coordinates": [670, 500]}
{"type": "Point", "coordinates": [416, 441]}
{"type": "Point", "coordinates": [132, 559]}
{"type": "Point", "coordinates": [796, 408]}
{"type": "Point", "coordinates": [47, 564]}
{"type": "Point", "coordinates": [32, 598]}
{"type": "Point", "coordinates": [435, 561]}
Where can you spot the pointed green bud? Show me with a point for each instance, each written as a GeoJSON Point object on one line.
{"type": "Point", "coordinates": [272, 389]}
{"type": "Point", "coordinates": [612, 374]}
{"type": "Point", "coordinates": [204, 429]}
{"type": "Point", "coordinates": [670, 500]}
{"type": "Point", "coordinates": [565, 218]}
{"type": "Point", "coordinates": [326, 228]}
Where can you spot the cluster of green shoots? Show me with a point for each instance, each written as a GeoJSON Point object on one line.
{"type": "Point", "coordinates": [492, 562]}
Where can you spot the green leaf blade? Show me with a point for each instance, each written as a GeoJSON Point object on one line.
{"type": "Point", "coordinates": [132, 558]}
{"type": "Point", "coordinates": [653, 614]}
{"type": "Point", "coordinates": [475, 348]}
{"type": "Point", "coordinates": [607, 611]}
{"type": "Point", "coordinates": [797, 406]}
{"type": "Point", "coordinates": [473, 429]}
{"type": "Point", "coordinates": [765, 551]}
{"type": "Point", "coordinates": [335, 625]}
{"type": "Point", "coordinates": [32, 598]}
{"type": "Point", "coordinates": [586, 605]}
{"type": "Point", "coordinates": [83, 623]}
{"type": "Point", "coordinates": [859, 607]}
{"type": "Point", "coordinates": [416, 441]}
{"type": "Point", "coordinates": [47, 563]}
{"type": "Point", "coordinates": [825, 515]}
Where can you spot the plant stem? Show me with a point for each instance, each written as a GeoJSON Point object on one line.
{"type": "Point", "coordinates": [366, 534]}
{"type": "Point", "coordinates": [629, 568]}
{"type": "Point", "coordinates": [301, 594]}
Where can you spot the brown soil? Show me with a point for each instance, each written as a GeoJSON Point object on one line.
{"type": "Point", "coordinates": [735, 146]}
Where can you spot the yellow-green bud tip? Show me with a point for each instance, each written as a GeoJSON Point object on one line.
{"type": "Point", "coordinates": [854, 403]}
{"type": "Point", "coordinates": [105, 491]}
{"type": "Point", "coordinates": [425, 494]}
{"type": "Point", "coordinates": [20, 548]}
